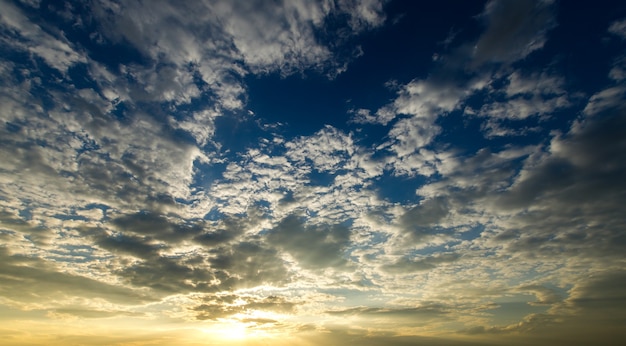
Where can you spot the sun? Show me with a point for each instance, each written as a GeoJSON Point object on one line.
{"type": "Point", "coordinates": [253, 326]}
{"type": "Point", "coordinates": [227, 330]}
{"type": "Point", "coordinates": [233, 330]}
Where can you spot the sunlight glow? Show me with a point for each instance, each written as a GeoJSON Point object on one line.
{"type": "Point", "coordinates": [234, 330]}
{"type": "Point", "coordinates": [241, 328]}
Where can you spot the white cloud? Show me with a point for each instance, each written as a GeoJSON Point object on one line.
{"type": "Point", "coordinates": [364, 116]}
{"type": "Point", "coordinates": [618, 71]}
{"type": "Point", "coordinates": [522, 108]}
{"type": "Point", "coordinates": [286, 41]}
{"type": "Point", "coordinates": [534, 84]}
{"type": "Point", "coordinates": [56, 51]}
{"type": "Point", "coordinates": [328, 150]}
{"type": "Point", "coordinates": [427, 98]}
{"type": "Point", "coordinates": [423, 101]}
{"type": "Point", "coordinates": [618, 28]}
{"type": "Point", "coordinates": [217, 37]}
{"type": "Point", "coordinates": [535, 95]}
{"type": "Point", "coordinates": [604, 100]}
{"type": "Point", "coordinates": [494, 127]}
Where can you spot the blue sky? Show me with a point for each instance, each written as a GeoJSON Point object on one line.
{"type": "Point", "coordinates": [312, 172]}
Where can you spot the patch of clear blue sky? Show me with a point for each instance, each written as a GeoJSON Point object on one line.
{"type": "Point", "coordinates": [309, 101]}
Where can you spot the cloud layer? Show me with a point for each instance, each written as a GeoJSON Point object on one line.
{"type": "Point", "coordinates": [479, 201]}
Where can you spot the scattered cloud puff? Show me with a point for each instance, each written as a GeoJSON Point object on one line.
{"type": "Point", "coordinates": [537, 96]}
{"type": "Point", "coordinates": [53, 47]}
{"type": "Point", "coordinates": [618, 28]}
{"type": "Point", "coordinates": [220, 41]}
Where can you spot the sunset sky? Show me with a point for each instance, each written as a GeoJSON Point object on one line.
{"type": "Point", "coordinates": [299, 172]}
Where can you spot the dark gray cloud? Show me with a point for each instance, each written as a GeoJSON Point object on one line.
{"type": "Point", "coordinates": [593, 313]}
{"type": "Point", "coordinates": [173, 275]}
{"type": "Point", "coordinates": [142, 247]}
{"type": "Point", "coordinates": [273, 303]}
{"type": "Point", "coordinates": [13, 223]}
{"type": "Point", "coordinates": [572, 195]}
{"type": "Point", "coordinates": [221, 263]}
{"type": "Point", "coordinates": [545, 295]}
{"type": "Point", "coordinates": [28, 279]}
{"type": "Point", "coordinates": [423, 221]}
{"type": "Point", "coordinates": [249, 263]}
{"type": "Point", "coordinates": [409, 265]}
{"type": "Point", "coordinates": [422, 312]}
{"type": "Point", "coordinates": [429, 213]}
{"type": "Point", "coordinates": [171, 229]}
{"type": "Point", "coordinates": [600, 298]}
{"type": "Point", "coordinates": [346, 336]}
{"type": "Point", "coordinates": [514, 30]}
{"type": "Point", "coordinates": [313, 246]}
{"type": "Point", "coordinates": [222, 306]}
{"type": "Point", "coordinates": [528, 326]}
{"type": "Point", "coordinates": [228, 230]}
{"type": "Point", "coordinates": [244, 265]}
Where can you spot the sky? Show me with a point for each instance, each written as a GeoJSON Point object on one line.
{"type": "Point", "coordinates": [304, 172]}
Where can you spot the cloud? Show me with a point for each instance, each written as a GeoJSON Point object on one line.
{"type": "Point", "coordinates": [248, 264]}
{"type": "Point", "coordinates": [86, 313]}
{"type": "Point", "coordinates": [418, 105]}
{"type": "Point", "coordinates": [217, 237]}
{"type": "Point", "coordinates": [326, 175]}
{"type": "Point", "coordinates": [591, 314]}
{"type": "Point", "coordinates": [224, 306]}
{"type": "Point", "coordinates": [599, 297]}
{"type": "Point", "coordinates": [605, 100]}
{"type": "Point", "coordinates": [618, 28]}
{"type": "Point", "coordinates": [313, 247]}
{"type": "Point", "coordinates": [424, 221]}
{"type": "Point", "coordinates": [140, 247]}
{"type": "Point", "coordinates": [585, 163]}
{"type": "Point", "coordinates": [530, 98]}
{"type": "Point", "coordinates": [178, 55]}
{"type": "Point", "coordinates": [121, 200]}
{"type": "Point", "coordinates": [222, 43]}
{"type": "Point", "coordinates": [342, 336]}
{"type": "Point", "coordinates": [156, 225]}
{"type": "Point", "coordinates": [522, 108]}
{"type": "Point", "coordinates": [477, 175]}
{"type": "Point", "coordinates": [514, 30]}
{"type": "Point", "coordinates": [410, 313]}
{"type": "Point", "coordinates": [407, 265]}
{"type": "Point", "coordinates": [545, 296]}
{"type": "Point", "coordinates": [28, 279]}
{"type": "Point", "coordinates": [89, 154]}
{"type": "Point", "coordinates": [23, 35]}
{"type": "Point", "coordinates": [218, 267]}
{"type": "Point", "coordinates": [556, 201]}
{"type": "Point", "coordinates": [618, 71]}
{"type": "Point", "coordinates": [566, 151]}
{"type": "Point", "coordinates": [327, 150]}
{"type": "Point", "coordinates": [169, 275]}
{"type": "Point", "coordinates": [534, 84]}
